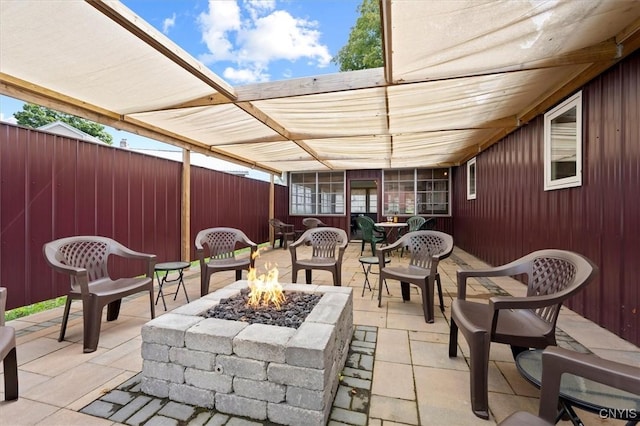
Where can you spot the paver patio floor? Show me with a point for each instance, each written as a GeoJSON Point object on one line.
{"type": "Point", "coordinates": [414, 382]}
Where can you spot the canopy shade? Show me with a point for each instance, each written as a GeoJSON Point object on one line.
{"type": "Point", "coordinates": [458, 76]}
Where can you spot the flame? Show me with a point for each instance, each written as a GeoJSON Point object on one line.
{"type": "Point", "coordinates": [265, 289]}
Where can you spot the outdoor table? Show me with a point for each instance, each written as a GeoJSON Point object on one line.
{"type": "Point", "coordinates": [369, 261]}
{"type": "Point", "coordinates": [391, 228]}
{"type": "Point", "coordinates": [579, 392]}
{"type": "Point", "coordinates": [167, 267]}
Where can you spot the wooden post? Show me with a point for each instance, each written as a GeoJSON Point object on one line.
{"type": "Point", "coordinates": [185, 219]}
{"type": "Point", "coordinates": [272, 195]}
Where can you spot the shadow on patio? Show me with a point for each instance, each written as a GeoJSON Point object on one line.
{"type": "Point", "coordinates": [414, 381]}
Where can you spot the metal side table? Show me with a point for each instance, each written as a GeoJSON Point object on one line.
{"type": "Point", "coordinates": [167, 267]}
{"type": "Point", "coordinates": [367, 262]}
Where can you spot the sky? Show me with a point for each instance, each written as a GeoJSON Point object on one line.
{"type": "Point", "coordinates": [245, 41]}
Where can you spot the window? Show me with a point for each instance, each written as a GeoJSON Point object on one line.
{"type": "Point", "coordinates": [563, 145]}
{"type": "Point", "coordinates": [317, 193]}
{"type": "Point", "coordinates": [416, 192]}
{"type": "Point", "coordinates": [471, 179]}
{"type": "Point", "coordinates": [363, 200]}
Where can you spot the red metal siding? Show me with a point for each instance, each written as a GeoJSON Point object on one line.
{"type": "Point", "coordinates": [513, 215]}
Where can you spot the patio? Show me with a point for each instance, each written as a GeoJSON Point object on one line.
{"type": "Point", "coordinates": [413, 380]}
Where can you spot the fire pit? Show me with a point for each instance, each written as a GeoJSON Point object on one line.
{"type": "Point", "coordinates": [265, 372]}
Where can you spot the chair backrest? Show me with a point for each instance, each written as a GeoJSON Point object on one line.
{"type": "Point", "coordinates": [325, 240]}
{"type": "Point", "coordinates": [277, 224]}
{"type": "Point", "coordinates": [86, 252]}
{"type": "Point", "coordinates": [555, 272]}
{"type": "Point", "coordinates": [220, 243]}
{"type": "Point", "coordinates": [424, 245]}
{"type": "Point", "coordinates": [312, 222]}
{"type": "Point", "coordinates": [366, 225]}
{"type": "Point", "coordinates": [428, 224]}
{"type": "Point", "coordinates": [415, 222]}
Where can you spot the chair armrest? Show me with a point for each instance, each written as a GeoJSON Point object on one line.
{"type": "Point", "coordinates": [397, 244]}
{"type": "Point", "coordinates": [509, 269]}
{"type": "Point", "coordinates": [556, 361]}
{"type": "Point", "coordinates": [529, 302]}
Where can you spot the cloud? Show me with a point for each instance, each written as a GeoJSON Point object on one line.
{"type": "Point", "coordinates": [255, 35]}
{"type": "Point", "coordinates": [11, 119]}
{"type": "Point", "coordinates": [168, 23]}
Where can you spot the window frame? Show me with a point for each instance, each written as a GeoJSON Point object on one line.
{"type": "Point", "coordinates": [319, 201]}
{"type": "Point", "coordinates": [471, 164]}
{"type": "Point", "coordinates": [550, 184]}
{"type": "Point", "coordinates": [417, 194]}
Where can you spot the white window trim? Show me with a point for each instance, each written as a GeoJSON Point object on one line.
{"type": "Point", "coordinates": [472, 163]}
{"type": "Point", "coordinates": [571, 181]}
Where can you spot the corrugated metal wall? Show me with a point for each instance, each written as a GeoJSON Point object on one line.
{"type": "Point", "coordinates": [53, 186]}
{"type": "Point", "coordinates": [513, 215]}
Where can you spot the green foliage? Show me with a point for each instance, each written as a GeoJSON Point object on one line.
{"type": "Point", "coordinates": [35, 308]}
{"type": "Point", "coordinates": [35, 116]}
{"type": "Point", "coordinates": [364, 48]}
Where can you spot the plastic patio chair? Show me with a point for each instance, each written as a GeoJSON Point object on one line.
{"type": "Point", "coordinates": [414, 223]}
{"type": "Point", "coordinates": [327, 250]}
{"type": "Point", "coordinates": [282, 231]}
{"type": "Point", "coordinates": [522, 322]}
{"type": "Point", "coordinates": [219, 245]}
{"type": "Point", "coordinates": [313, 222]}
{"type": "Point", "coordinates": [427, 248]}
{"type": "Point", "coordinates": [8, 352]}
{"type": "Point", "coordinates": [555, 362]}
{"type": "Point", "coordinates": [370, 233]}
{"type": "Point", "coordinates": [85, 260]}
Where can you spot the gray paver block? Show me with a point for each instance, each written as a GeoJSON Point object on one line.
{"type": "Point", "coordinates": [155, 352]}
{"type": "Point", "coordinates": [218, 419]}
{"type": "Point", "coordinates": [350, 417]}
{"type": "Point", "coordinates": [358, 373]}
{"type": "Point", "coordinates": [161, 421]}
{"type": "Point", "coordinates": [195, 308]}
{"type": "Point", "coordinates": [235, 421]}
{"type": "Point", "coordinates": [192, 395]}
{"type": "Point", "coordinates": [366, 362]}
{"type": "Point", "coordinates": [343, 397]}
{"type": "Point", "coordinates": [262, 390]}
{"type": "Point", "coordinates": [309, 378]}
{"type": "Point", "coordinates": [118, 397]}
{"type": "Point", "coordinates": [312, 346]}
{"type": "Point", "coordinates": [173, 373]}
{"type": "Point", "coordinates": [168, 329]}
{"type": "Point", "coordinates": [155, 387]}
{"type": "Point", "coordinates": [263, 342]}
{"type": "Point", "coordinates": [100, 408]}
{"type": "Point", "coordinates": [356, 383]}
{"type": "Point", "coordinates": [177, 411]}
{"type": "Point", "coordinates": [233, 404]}
{"type": "Point", "coordinates": [241, 367]}
{"type": "Point", "coordinates": [130, 409]}
{"type": "Point", "coordinates": [294, 416]}
{"type": "Point", "coordinates": [214, 335]}
{"type": "Point", "coordinates": [146, 412]}
{"type": "Point", "coordinates": [191, 358]}
{"type": "Point", "coordinates": [223, 293]}
{"type": "Point", "coordinates": [305, 398]}
{"type": "Point", "coordinates": [201, 419]}
{"type": "Point", "coordinates": [208, 380]}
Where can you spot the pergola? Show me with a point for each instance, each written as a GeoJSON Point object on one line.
{"type": "Point", "coordinates": [458, 77]}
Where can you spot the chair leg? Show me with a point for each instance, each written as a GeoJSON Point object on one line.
{"type": "Point", "coordinates": [439, 283]}
{"type": "Point", "coordinates": [453, 339]}
{"type": "Point", "coordinates": [479, 370]}
{"type": "Point", "coordinates": [427, 301]}
{"type": "Point", "coordinates": [294, 275]}
{"type": "Point", "coordinates": [337, 280]}
{"type": "Point", "coordinates": [113, 310]}
{"type": "Point", "coordinates": [92, 317]}
{"type": "Point", "coordinates": [205, 277]}
{"type": "Point", "coordinates": [362, 247]}
{"type": "Point", "coordinates": [238, 274]}
{"type": "Point", "coordinates": [10, 364]}
{"type": "Point", "coordinates": [65, 319]}
{"type": "Point", "coordinates": [307, 274]}
{"type": "Point", "coordinates": [153, 306]}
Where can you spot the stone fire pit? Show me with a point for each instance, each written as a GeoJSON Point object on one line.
{"type": "Point", "coordinates": [263, 372]}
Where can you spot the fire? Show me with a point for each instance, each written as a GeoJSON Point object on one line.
{"type": "Point", "coordinates": [265, 289]}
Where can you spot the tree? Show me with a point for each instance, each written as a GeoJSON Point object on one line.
{"type": "Point", "coordinates": [35, 116]}
{"type": "Point", "coordinates": [364, 48]}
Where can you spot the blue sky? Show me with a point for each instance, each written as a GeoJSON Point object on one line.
{"type": "Point", "coordinates": [245, 41]}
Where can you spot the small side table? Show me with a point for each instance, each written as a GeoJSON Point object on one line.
{"type": "Point", "coordinates": [167, 267]}
{"type": "Point", "coordinates": [369, 261]}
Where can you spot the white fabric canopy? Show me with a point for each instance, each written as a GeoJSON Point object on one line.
{"type": "Point", "coordinates": [458, 76]}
